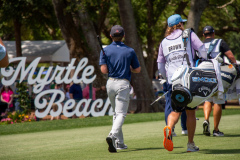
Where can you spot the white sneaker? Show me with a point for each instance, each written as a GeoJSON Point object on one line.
{"type": "Point", "coordinates": [121, 146]}
{"type": "Point", "coordinates": [218, 133]}
{"type": "Point", "coordinates": [192, 148]}
{"type": "Point", "coordinates": [111, 143]}
{"type": "Point", "coordinates": [184, 132]}
{"type": "Point", "coordinates": [174, 134]}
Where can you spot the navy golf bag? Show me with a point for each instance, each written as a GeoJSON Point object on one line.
{"type": "Point", "coordinates": [191, 86]}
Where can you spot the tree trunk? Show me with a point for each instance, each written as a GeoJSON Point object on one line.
{"type": "Point", "coordinates": [150, 43]}
{"type": "Point", "coordinates": [17, 29]}
{"type": "Point", "coordinates": [141, 82]}
{"type": "Point", "coordinates": [80, 36]}
{"type": "Point", "coordinates": [194, 16]}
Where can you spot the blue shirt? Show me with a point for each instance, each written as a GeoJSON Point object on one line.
{"type": "Point", "coordinates": [119, 58]}
{"type": "Point", "coordinates": [76, 90]}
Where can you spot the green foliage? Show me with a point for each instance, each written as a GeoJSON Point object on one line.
{"type": "Point", "coordinates": [18, 117]}
{"type": "Point", "coordinates": [39, 21]}
{"type": "Point", "coordinates": [234, 39]}
{"type": "Point", "coordinates": [37, 18]}
{"type": "Point", "coordinates": [24, 100]}
{"type": "Point", "coordinates": [23, 97]}
{"type": "Point", "coordinates": [226, 21]}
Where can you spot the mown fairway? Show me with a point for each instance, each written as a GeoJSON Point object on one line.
{"type": "Point", "coordinates": [143, 139]}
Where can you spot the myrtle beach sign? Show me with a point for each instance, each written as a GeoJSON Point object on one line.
{"type": "Point", "coordinates": [60, 75]}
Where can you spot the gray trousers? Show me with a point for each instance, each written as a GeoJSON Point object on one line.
{"type": "Point", "coordinates": [118, 91]}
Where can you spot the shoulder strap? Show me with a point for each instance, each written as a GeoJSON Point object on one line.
{"type": "Point", "coordinates": [185, 37]}
{"type": "Point", "coordinates": [211, 47]}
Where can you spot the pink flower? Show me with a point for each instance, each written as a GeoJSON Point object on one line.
{"type": "Point", "coordinates": [6, 119]}
{"type": "Point", "coordinates": [3, 120]}
{"type": "Point", "coordinates": [11, 122]}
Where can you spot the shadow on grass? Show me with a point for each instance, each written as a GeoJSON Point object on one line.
{"type": "Point", "coordinates": [231, 135]}
{"type": "Point", "coordinates": [144, 149]}
{"type": "Point", "coordinates": [220, 151]}
{"type": "Point", "coordinates": [225, 135]}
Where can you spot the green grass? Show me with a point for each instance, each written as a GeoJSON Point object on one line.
{"type": "Point", "coordinates": [89, 122]}
{"type": "Point", "coordinates": [85, 139]}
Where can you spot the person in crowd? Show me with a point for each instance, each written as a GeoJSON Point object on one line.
{"type": "Point", "coordinates": [101, 92]}
{"type": "Point", "coordinates": [156, 92]}
{"type": "Point", "coordinates": [118, 61]}
{"type": "Point", "coordinates": [167, 65]}
{"type": "Point", "coordinates": [55, 106]}
{"type": "Point", "coordinates": [75, 93]}
{"type": "Point", "coordinates": [220, 47]}
{"type": "Point", "coordinates": [3, 55]}
{"type": "Point", "coordinates": [86, 92]}
{"type": "Point", "coordinates": [17, 103]}
{"type": "Point", "coordinates": [67, 94]}
{"type": "Point", "coordinates": [7, 97]}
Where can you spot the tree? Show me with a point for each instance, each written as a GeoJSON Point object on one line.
{"type": "Point", "coordinates": [79, 33]}
{"type": "Point", "coordinates": [153, 13]}
{"type": "Point", "coordinates": [141, 82]}
{"type": "Point", "coordinates": [225, 18]}
{"type": "Point", "coordinates": [27, 19]}
{"type": "Point", "coordinates": [194, 16]}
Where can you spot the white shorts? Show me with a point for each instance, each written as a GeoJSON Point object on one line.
{"type": "Point", "coordinates": [215, 100]}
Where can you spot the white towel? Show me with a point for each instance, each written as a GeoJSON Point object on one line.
{"type": "Point", "coordinates": [233, 92]}
{"type": "Point", "coordinates": [219, 78]}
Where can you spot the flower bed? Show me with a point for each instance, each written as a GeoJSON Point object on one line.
{"type": "Point", "coordinates": [17, 117]}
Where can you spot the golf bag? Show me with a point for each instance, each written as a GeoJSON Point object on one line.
{"type": "Point", "coordinates": [191, 86]}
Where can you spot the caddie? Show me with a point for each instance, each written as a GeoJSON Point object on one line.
{"type": "Point", "coordinates": [214, 47]}
{"type": "Point", "coordinates": [171, 56]}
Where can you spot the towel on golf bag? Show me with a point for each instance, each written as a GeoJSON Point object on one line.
{"type": "Point", "coordinates": [233, 92]}
{"type": "Point", "coordinates": [217, 69]}
{"type": "Point", "coordinates": [191, 86]}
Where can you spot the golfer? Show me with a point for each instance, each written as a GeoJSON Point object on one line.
{"type": "Point", "coordinates": [118, 61]}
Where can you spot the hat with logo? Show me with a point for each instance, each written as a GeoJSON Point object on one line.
{"type": "Point", "coordinates": [117, 31]}
{"type": "Point", "coordinates": [175, 19]}
{"type": "Point", "coordinates": [208, 29]}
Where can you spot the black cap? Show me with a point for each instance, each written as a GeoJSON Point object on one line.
{"type": "Point", "coordinates": [208, 29]}
{"type": "Point", "coordinates": [117, 31]}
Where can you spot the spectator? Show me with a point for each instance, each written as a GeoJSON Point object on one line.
{"type": "Point", "coordinates": [67, 95]}
{"type": "Point", "coordinates": [86, 92]}
{"type": "Point", "coordinates": [55, 106]}
{"type": "Point", "coordinates": [101, 93]}
{"type": "Point", "coordinates": [7, 97]}
{"type": "Point", "coordinates": [75, 93]}
{"type": "Point", "coordinates": [17, 104]}
{"type": "Point", "coordinates": [156, 92]}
